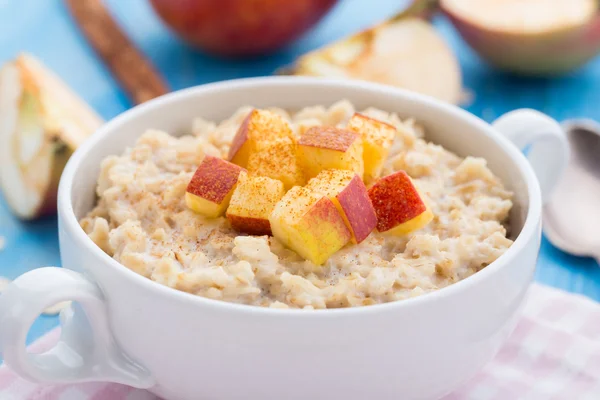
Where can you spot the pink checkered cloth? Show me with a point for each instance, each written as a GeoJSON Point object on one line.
{"type": "Point", "coordinates": [554, 353]}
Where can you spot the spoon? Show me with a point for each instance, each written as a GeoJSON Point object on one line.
{"type": "Point", "coordinates": [572, 217]}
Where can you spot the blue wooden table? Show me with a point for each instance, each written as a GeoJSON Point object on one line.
{"type": "Point", "coordinates": [45, 29]}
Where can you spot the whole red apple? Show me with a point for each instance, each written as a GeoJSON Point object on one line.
{"type": "Point", "coordinates": [241, 27]}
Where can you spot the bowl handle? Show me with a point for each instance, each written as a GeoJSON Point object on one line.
{"type": "Point", "coordinates": [77, 357]}
{"type": "Point", "coordinates": [544, 141]}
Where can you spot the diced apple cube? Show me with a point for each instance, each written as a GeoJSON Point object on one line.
{"type": "Point", "coordinates": [330, 148]}
{"type": "Point", "coordinates": [310, 224]}
{"type": "Point", "coordinates": [377, 139]}
{"type": "Point", "coordinates": [277, 159]}
{"type": "Point", "coordinates": [212, 185]}
{"type": "Point", "coordinates": [349, 194]}
{"type": "Point", "coordinates": [399, 206]}
{"type": "Point", "coordinates": [259, 125]}
{"type": "Point", "coordinates": [252, 202]}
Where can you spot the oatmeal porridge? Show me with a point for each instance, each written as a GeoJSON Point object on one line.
{"type": "Point", "coordinates": [142, 220]}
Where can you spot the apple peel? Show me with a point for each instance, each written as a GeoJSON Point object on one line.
{"type": "Point", "coordinates": [41, 123]}
{"type": "Point", "coordinates": [310, 224]}
{"type": "Point", "coordinates": [252, 202]}
{"type": "Point", "coordinates": [399, 205]}
{"type": "Point", "coordinates": [212, 185]}
{"type": "Point", "coordinates": [349, 194]}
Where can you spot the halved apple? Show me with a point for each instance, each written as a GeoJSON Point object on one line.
{"type": "Point", "coordinates": [212, 185]}
{"type": "Point", "coordinates": [41, 123]}
{"type": "Point", "coordinates": [534, 37]}
{"type": "Point", "coordinates": [377, 139]}
{"type": "Point", "coordinates": [399, 206]}
{"type": "Point", "coordinates": [349, 194]}
{"type": "Point", "coordinates": [277, 159]}
{"type": "Point", "coordinates": [324, 147]}
{"type": "Point", "coordinates": [310, 224]}
{"type": "Point", "coordinates": [259, 125]}
{"type": "Point", "coordinates": [252, 202]}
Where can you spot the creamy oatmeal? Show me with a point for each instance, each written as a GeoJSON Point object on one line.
{"type": "Point", "coordinates": [141, 220]}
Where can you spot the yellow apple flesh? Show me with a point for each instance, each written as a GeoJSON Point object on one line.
{"type": "Point", "coordinates": [211, 187]}
{"type": "Point", "coordinates": [310, 224]}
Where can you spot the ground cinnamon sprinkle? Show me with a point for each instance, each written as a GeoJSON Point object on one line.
{"type": "Point", "coordinates": [259, 126]}
{"type": "Point", "coordinates": [266, 125]}
{"type": "Point", "coordinates": [277, 159]}
{"type": "Point", "coordinates": [375, 131]}
{"type": "Point", "coordinates": [252, 203]}
{"type": "Point", "coordinates": [328, 137]}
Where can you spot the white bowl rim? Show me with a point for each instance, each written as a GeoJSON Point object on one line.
{"type": "Point", "coordinates": [70, 222]}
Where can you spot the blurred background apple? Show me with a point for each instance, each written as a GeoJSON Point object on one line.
{"type": "Point", "coordinates": [533, 37]}
{"type": "Point", "coordinates": [241, 27]}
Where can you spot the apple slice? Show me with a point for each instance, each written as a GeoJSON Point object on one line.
{"type": "Point", "coordinates": [349, 194]}
{"type": "Point", "coordinates": [277, 159]}
{"type": "Point", "coordinates": [41, 123]}
{"type": "Point", "coordinates": [212, 185]}
{"type": "Point", "coordinates": [324, 147]}
{"type": "Point", "coordinates": [310, 224]}
{"type": "Point", "coordinates": [377, 139]}
{"type": "Point", "coordinates": [398, 204]}
{"type": "Point", "coordinates": [252, 202]}
{"type": "Point", "coordinates": [259, 125]}
{"type": "Point", "coordinates": [404, 51]}
{"type": "Point", "coordinates": [534, 37]}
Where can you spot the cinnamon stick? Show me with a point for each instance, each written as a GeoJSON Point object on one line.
{"type": "Point", "coordinates": [134, 72]}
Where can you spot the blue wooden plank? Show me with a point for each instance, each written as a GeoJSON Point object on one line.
{"type": "Point", "coordinates": [45, 29]}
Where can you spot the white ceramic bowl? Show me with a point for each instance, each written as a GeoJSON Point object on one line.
{"type": "Point", "coordinates": [185, 347]}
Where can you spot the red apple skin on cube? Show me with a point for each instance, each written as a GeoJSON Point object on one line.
{"type": "Point", "coordinates": [397, 201]}
{"type": "Point", "coordinates": [212, 185]}
{"type": "Point", "coordinates": [349, 194]}
{"type": "Point", "coordinates": [237, 155]}
{"type": "Point", "coordinates": [309, 223]}
{"type": "Point", "coordinates": [358, 210]}
{"type": "Point", "coordinates": [252, 203]}
{"type": "Point", "coordinates": [324, 213]}
{"type": "Point", "coordinates": [250, 225]}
